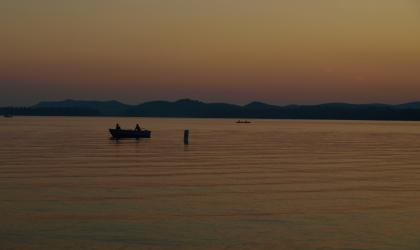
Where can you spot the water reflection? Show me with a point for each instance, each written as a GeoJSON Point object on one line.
{"type": "Point", "coordinates": [271, 185]}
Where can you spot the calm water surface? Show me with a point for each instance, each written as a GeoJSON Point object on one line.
{"type": "Point", "coordinates": [267, 185]}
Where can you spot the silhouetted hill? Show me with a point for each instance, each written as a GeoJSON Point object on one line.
{"type": "Point", "coordinates": [410, 105]}
{"type": "Point", "coordinates": [259, 106]}
{"type": "Point", "coordinates": [185, 108]}
{"type": "Point", "coordinates": [352, 106]}
{"type": "Point", "coordinates": [49, 111]}
{"type": "Point", "coordinates": [193, 108]}
{"type": "Point", "coordinates": [103, 107]}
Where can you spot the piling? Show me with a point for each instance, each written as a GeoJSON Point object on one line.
{"type": "Point", "coordinates": [186, 136]}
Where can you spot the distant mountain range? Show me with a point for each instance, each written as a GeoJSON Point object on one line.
{"type": "Point", "coordinates": [193, 108]}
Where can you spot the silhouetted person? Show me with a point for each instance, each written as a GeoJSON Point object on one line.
{"type": "Point", "coordinates": [138, 128]}
{"type": "Point", "coordinates": [118, 126]}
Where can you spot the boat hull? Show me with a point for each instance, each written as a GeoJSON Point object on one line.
{"type": "Point", "coordinates": [121, 133]}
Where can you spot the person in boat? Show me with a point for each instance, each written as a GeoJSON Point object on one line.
{"type": "Point", "coordinates": [117, 126]}
{"type": "Point", "coordinates": [137, 127]}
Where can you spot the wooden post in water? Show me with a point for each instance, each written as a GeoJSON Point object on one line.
{"type": "Point", "coordinates": [186, 136]}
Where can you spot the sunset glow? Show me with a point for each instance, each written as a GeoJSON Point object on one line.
{"type": "Point", "coordinates": [279, 52]}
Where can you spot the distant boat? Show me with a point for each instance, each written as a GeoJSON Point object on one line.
{"type": "Point", "coordinates": [239, 121]}
{"type": "Point", "coordinates": [128, 133]}
{"type": "Point", "coordinates": [8, 115]}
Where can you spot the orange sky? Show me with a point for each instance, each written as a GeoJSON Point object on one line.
{"type": "Point", "coordinates": [290, 51]}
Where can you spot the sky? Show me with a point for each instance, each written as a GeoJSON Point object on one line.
{"type": "Point", "coordinates": [237, 51]}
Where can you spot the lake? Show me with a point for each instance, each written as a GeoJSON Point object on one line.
{"type": "Point", "coordinates": [271, 184]}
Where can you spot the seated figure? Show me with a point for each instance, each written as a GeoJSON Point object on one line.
{"type": "Point", "coordinates": [137, 128]}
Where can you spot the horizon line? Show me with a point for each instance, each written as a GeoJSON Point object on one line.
{"type": "Point", "coordinates": [211, 102]}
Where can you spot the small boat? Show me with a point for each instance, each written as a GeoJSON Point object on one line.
{"type": "Point", "coordinates": [127, 133]}
{"type": "Point", "coordinates": [239, 121]}
{"type": "Point", "coordinates": [8, 116]}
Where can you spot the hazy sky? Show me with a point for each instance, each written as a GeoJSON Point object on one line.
{"type": "Point", "coordinates": [278, 51]}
